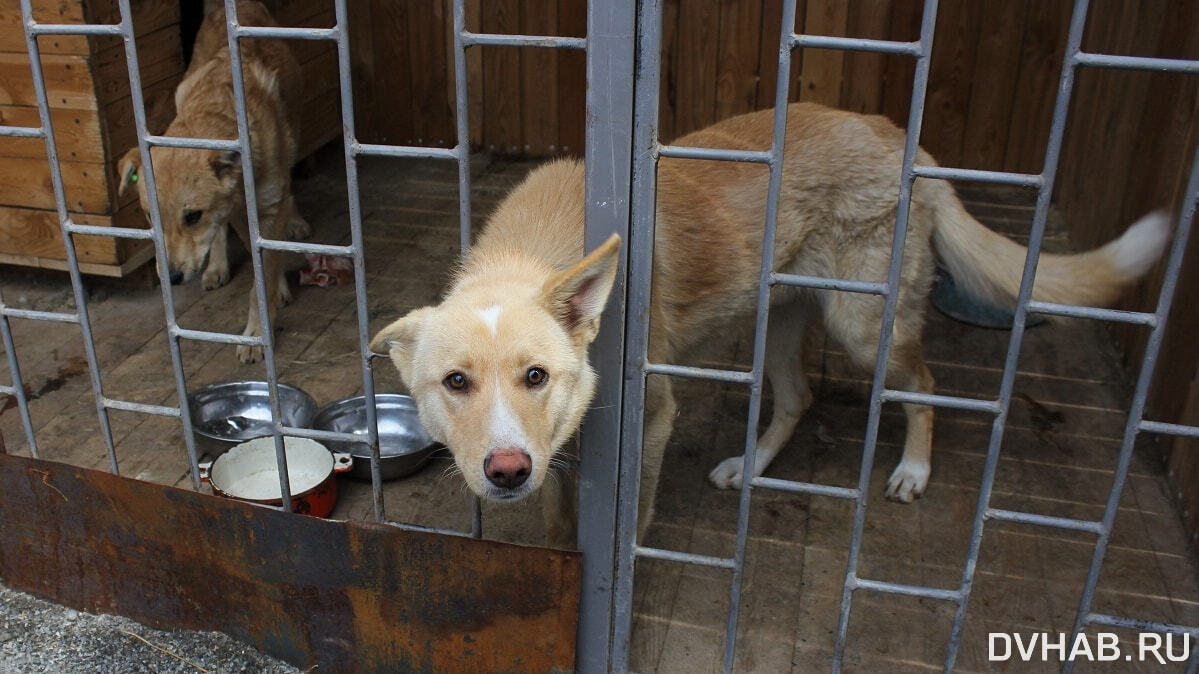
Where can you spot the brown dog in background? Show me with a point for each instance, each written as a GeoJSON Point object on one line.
{"type": "Point", "coordinates": [201, 191]}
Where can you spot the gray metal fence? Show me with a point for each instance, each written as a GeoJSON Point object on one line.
{"type": "Point", "coordinates": [622, 149]}
{"type": "Point", "coordinates": [637, 367]}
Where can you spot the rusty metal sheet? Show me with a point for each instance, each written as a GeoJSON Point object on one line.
{"type": "Point", "coordinates": [344, 596]}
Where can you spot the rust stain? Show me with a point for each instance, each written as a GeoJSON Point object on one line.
{"type": "Point", "coordinates": [73, 367]}
{"type": "Point", "coordinates": [341, 596]}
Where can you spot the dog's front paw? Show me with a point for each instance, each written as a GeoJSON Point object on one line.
{"type": "Point", "coordinates": [283, 294]}
{"type": "Point", "coordinates": [727, 474]}
{"type": "Point", "coordinates": [908, 481]}
{"type": "Point", "coordinates": [249, 354]}
{"type": "Point", "coordinates": [215, 276]}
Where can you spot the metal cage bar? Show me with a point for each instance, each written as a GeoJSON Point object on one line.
{"type": "Point", "coordinates": [1134, 424]}
{"type": "Point", "coordinates": [903, 210]}
{"type": "Point", "coordinates": [60, 203]}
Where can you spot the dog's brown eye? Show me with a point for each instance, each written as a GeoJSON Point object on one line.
{"type": "Point", "coordinates": [193, 217]}
{"type": "Point", "coordinates": [456, 381]}
{"type": "Point", "coordinates": [536, 376]}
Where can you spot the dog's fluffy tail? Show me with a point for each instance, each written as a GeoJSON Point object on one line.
{"type": "Point", "coordinates": [988, 265]}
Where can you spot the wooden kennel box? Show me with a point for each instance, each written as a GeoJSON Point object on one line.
{"type": "Point", "coordinates": [92, 112]}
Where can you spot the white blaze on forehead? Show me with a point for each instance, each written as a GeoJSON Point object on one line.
{"type": "Point", "coordinates": [506, 429]}
{"type": "Point", "coordinates": [491, 316]}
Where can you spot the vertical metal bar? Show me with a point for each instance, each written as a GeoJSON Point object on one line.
{"type": "Point", "coordinates": [915, 118]}
{"type": "Point", "coordinates": [462, 124]}
{"type": "Point", "coordinates": [1040, 215]}
{"type": "Point", "coordinates": [611, 31]}
{"type": "Point", "coordinates": [765, 269]}
{"type": "Point", "coordinates": [64, 221]}
{"type": "Point", "coordinates": [146, 173]}
{"type": "Point", "coordinates": [256, 251]}
{"type": "Point", "coordinates": [639, 272]}
{"type": "Point", "coordinates": [1144, 379]}
{"type": "Point", "coordinates": [18, 383]}
{"type": "Point", "coordinates": [354, 206]}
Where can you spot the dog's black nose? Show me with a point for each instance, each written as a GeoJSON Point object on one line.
{"type": "Point", "coordinates": [176, 278]}
{"type": "Point", "coordinates": [507, 468]}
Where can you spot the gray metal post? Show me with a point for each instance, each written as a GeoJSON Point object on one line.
{"type": "Point", "coordinates": [610, 53]}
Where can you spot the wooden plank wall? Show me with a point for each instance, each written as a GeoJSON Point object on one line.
{"type": "Point", "coordinates": [533, 98]}
{"type": "Point", "coordinates": [1128, 150]}
{"type": "Point", "coordinates": [719, 58]}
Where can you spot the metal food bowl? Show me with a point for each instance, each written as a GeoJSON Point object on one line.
{"type": "Point", "coordinates": [224, 415]}
{"type": "Point", "coordinates": [404, 446]}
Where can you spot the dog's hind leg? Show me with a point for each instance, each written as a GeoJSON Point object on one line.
{"type": "Point", "coordinates": [907, 372]}
{"type": "Point", "coordinates": [788, 383]}
{"type": "Point", "coordinates": [216, 272]}
{"type": "Point", "coordinates": [853, 320]}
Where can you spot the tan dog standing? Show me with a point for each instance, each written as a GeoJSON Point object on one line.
{"type": "Point", "coordinates": [499, 369]}
{"type": "Point", "coordinates": [200, 191]}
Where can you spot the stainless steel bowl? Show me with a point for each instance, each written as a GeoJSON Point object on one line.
{"type": "Point", "coordinates": [224, 415]}
{"type": "Point", "coordinates": [404, 446]}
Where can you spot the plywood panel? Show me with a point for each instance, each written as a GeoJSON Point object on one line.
{"type": "Point", "coordinates": [1042, 44]}
{"type": "Point", "coordinates": [393, 79]}
{"type": "Point", "coordinates": [572, 69]}
{"type": "Point", "coordinates": [667, 84]}
{"type": "Point", "coordinates": [695, 66]}
{"type": "Point", "coordinates": [951, 79]}
{"type": "Point", "coordinates": [899, 71]}
{"type": "Point", "coordinates": [820, 80]}
{"type": "Point", "coordinates": [27, 183]}
{"type": "Point", "coordinates": [862, 85]}
{"type": "Point", "coordinates": [76, 131]}
{"type": "Point", "coordinates": [36, 233]}
{"type": "Point", "coordinates": [148, 16]}
{"type": "Point", "coordinates": [502, 130]}
{"type": "Point", "coordinates": [538, 75]}
{"type": "Point", "coordinates": [432, 119]}
{"type": "Point", "coordinates": [997, 64]}
{"type": "Point", "coordinates": [737, 67]}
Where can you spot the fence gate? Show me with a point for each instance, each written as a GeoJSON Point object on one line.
{"type": "Point", "coordinates": [648, 148]}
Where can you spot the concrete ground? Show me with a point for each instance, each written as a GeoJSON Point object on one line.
{"type": "Point", "coordinates": [41, 637]}
{"type": "Point", "coordinates": [1059, 450]}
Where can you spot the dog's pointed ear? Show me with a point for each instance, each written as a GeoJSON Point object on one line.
{"type": "Point", "coordinates": [398, 341]}
{"type": "Point", "coordinates": [577, 295]}
{"type": "Point", "coordinates": [129, 170]}
{"type": "Point", "coordinates": [226, 165]}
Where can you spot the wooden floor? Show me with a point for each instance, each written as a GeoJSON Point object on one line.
{"type": "Point", "coordinates": [1059, 449]}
